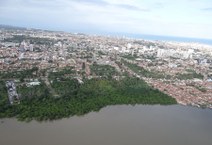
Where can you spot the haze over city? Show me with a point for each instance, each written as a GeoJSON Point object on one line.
{"type": "Point", "coordinates": [183, 18]}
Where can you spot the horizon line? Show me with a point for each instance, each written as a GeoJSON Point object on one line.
{"type": "Point", "coordinates": [114, 34]}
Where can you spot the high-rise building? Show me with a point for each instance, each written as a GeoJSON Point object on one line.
{"type": "Point", "coordinates": [12, 93]}
{"type": "Point", "coordinates": [31, 47]}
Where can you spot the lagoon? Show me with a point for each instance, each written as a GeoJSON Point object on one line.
{"type": "Point", "coordinates": [116, 125]}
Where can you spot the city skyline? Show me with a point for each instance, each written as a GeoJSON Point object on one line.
{"type": "Point", "coordinates": [183, 18]}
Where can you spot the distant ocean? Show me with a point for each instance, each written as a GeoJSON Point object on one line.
{"type": "Point", "coordinates": [165, 38]}
{"type": "Point", "coordinates": [170, 38]}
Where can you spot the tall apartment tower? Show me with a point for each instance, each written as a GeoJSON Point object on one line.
{"type": "Point", "coordinates": [12, 93]}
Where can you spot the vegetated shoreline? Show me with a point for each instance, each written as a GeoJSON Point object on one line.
{"type": "Point", "coordinates": [79, 99]}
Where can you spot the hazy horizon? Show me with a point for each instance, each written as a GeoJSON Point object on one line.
{"type": "Point", "coordinates": [183, 18]}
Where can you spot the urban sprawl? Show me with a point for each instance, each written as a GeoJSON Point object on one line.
{"type": "Point", "coordinates": [181, 70]}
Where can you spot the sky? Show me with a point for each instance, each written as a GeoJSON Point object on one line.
{"type": "Point", "coordinates": [182, 18]}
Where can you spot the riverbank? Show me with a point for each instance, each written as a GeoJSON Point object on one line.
{"type": "Point", "coordinates": [118, 124]}
{"type": "Point", "coordinates": [80, 99]}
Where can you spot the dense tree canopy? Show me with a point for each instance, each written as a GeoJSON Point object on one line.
{"type": "Point", "coordinates": [79, 99]}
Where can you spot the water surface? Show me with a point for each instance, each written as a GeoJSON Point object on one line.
{"type": "Point", "coordinates": [116, 125]}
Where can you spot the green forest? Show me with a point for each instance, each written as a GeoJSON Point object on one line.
{"type": "Point", "coordinates": [37, 103]}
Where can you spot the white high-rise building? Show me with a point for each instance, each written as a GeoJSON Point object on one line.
{"type": "Point", "coordinates": [21, 56]}
{"type": "Point", "coordinates": [31, 47]}
{"type": "Point", "coordinates": [129, 45]}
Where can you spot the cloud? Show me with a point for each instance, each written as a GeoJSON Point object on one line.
{"type": "Point", "coordinates": [34, 4]}
{"type": "Point", "coordinates": [207, 9]}
{"type": "Point", "coordinates": [159, 5]}
{"type": "Point", "coordinates": [108, 4]}
{"type": "Point", "coordinates": [95, 2]}
{"type": "Point", "coordinates": [130, 7]}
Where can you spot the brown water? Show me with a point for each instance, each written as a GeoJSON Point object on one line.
{"type": "Point", "coordinates": [116, 125]}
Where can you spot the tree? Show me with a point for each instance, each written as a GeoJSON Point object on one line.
{"type": "Point", "coordinates": [83, 66]}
